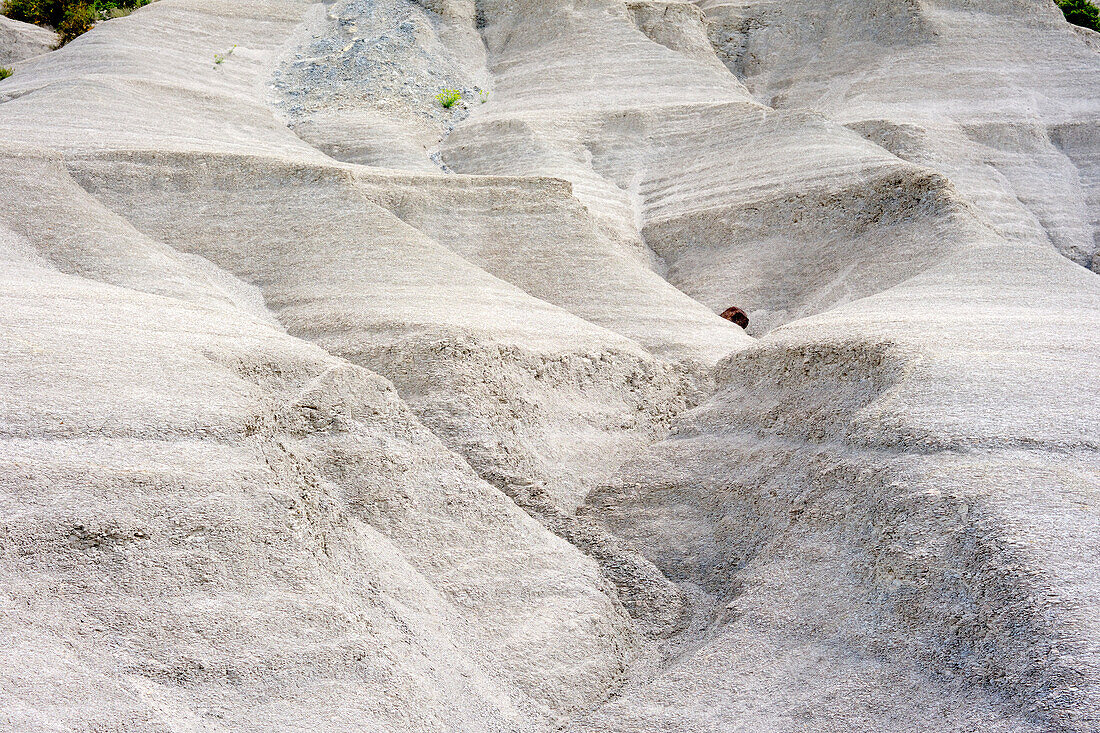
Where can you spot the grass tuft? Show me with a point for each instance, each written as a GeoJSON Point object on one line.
{"type": "Point", "coordinates": [449, 97]}
{"type": "Point", "coordinates": [5, 72]}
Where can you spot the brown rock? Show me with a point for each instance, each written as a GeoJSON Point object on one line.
{"type": "Point", "coordinates": [738, 316]}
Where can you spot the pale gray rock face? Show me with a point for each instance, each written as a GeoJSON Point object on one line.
{"type": "Point", "coordinates": [19, 41]}
{"type": "Point", "coordinates": [998, 95]}
{"type": "Point", "coordinates": [325, 408]}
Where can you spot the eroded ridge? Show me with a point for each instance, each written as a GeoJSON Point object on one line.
{"type": "Point", "coordinates": [325, 407]}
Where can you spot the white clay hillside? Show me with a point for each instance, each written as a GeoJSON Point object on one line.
{"type": "Point", "coordinates": [363, 367]}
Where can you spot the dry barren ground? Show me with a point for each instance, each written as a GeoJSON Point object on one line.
{"type": "Point", "coordinates": [326, 408]}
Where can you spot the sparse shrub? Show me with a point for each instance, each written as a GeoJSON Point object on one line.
{"type": "Point", "coordinates": [69, 18]}
{"type": "Point", "coordinates": [449, 97]}
{"type": "Point", "coordinates": [42, 12]}
{"type": "Point", "coordinates": [107, 9]}
{"type": "Point", "coordinates": [76, 20]}
{"type": "Point", "coordinates": [4, 72]}
{"type": "Point", "coordinates": [219, 58]}
{"type": "Point", "coordinates": [1081, 12]}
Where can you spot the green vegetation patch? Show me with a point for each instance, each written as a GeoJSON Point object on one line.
{"type": "Point", "coordinates": [220, 58]}
{"type": "Point", "coordinates": [1081, 12]}
{"type": "Point", "coordinates": [69, 18]}
{"type": "Point", "coordinates": [5, 72]}
{"type": "Point", "coordinates": [449, 97]}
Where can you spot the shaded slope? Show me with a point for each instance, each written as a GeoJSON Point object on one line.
{"type": "Point", "coordinates": [915, 510]}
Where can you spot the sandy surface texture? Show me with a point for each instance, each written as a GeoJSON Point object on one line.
{"type": "Point", "coordinates": [326, 407]}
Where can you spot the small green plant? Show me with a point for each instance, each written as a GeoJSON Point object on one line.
{"type": "Point", "coordinates": [1081, 12]}
{"type": "Point", "coordinates": [219, 58]}
{"type": "Point", "coordinates": [107, 9]}
{"type": "Point", "coordinates": [5, 72]}
{"type": "Point", "coordinates": [449, 97]}
{"type": "Point", "coordinates": [483, 95]}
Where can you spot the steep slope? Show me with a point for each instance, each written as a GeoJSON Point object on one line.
{"type": "Point", "coordinates": [742, 205]}
{"type": "Point", "coordinates": [985, 92]}
{"type": "Point", "coordinates": [527, 344]}
{"type": "Point", "coordinates": [324, 407]}
{"type": "Point", "coordinates": [209, 521]}
{"type": "Point", "coordinates": [883, 513]}
{"type": "Point", "coordinates": [19, 41]}
{"type": "Point", "coordinates": [292, 481]}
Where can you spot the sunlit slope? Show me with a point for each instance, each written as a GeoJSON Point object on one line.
{"type": "Point", "coordinates": [325, 407]}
